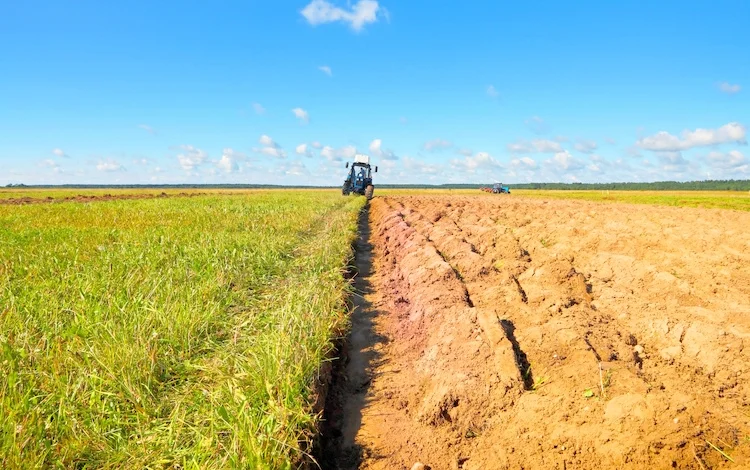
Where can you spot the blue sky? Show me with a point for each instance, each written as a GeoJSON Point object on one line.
{"type": "Point", "coordinates": [286, 91]}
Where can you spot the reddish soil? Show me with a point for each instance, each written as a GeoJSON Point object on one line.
{"type": "Point", "coordinates": [93, 198]}
{"type": "Point", "coordinates": [502, 332]}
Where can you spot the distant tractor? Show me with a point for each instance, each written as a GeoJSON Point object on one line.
{"type": "Point", "coordinates": [497, 188]}
{"type": "Point", "coordinates": [359, 180]}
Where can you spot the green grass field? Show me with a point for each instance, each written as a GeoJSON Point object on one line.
{"type": "Point", "coordinates": [168, 333]}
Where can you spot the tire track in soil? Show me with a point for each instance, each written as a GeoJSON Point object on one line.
{"type": "Point", "coordinates": [485, 347]}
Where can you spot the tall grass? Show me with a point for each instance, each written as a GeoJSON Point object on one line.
{"type": "Point", "coordinates": [168, 333]}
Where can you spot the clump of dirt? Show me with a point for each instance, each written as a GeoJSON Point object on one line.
{"type": "Point", "coordinates": [517, 333]}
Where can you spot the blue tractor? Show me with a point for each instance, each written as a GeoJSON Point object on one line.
{"type": "Point", "coordinates": [359, 179]}
{"type": "Point", "coordinates": [498, 188]}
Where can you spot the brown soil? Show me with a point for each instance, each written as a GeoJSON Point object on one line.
{"type": "Point", "coordinates": [93, 198]}
{"type": "Point", "coordinates": [502, 332]}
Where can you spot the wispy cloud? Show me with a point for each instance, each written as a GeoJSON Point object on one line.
{"type": "Point", "coordinates": [376, 148]}
{"type": "Point", "coordinates": [301, 114]}
{"type": "Point", "coordinates": [727, 87]}
{"type": "Point", "coordinates": [58, 152]}
{"type": "Point", "coordinates": [537, 125]}
{"type": "Point", "coordinates": [326, 70]}
{"type": "Point", "coordinates": [259, 109]}
{"type": "Point", "coordinates": [361, 13]}
{"type": "Point", "coordinates": [492, 92]}
{"type": "Point", "coordinates": [228, 163]}
{"type": "Point", "coordinates": [585, 146]}
{"type": "Point", "coordinates": [564, 161]}
{"type": "Point", "coordinates": [270, 147]}
{"type": "Point", "coordinates": [480, 161]}
{"type": "Point", "coordinates": [109, 164]}
{"type": "Point", "coordinates": [148, 129]}
{"type": "Point", "coordinates": [336, 155]}
{"type": "Point", "coordinates": [538, 145]}
{"type": "Point", "coordinates": [304, 150]}
{"type": "Point", "coordinates": [191, 157]}
{"type": "Point", "coordinates": [664, 141]}
{"type": "Point", "coordinates": [437, 144]}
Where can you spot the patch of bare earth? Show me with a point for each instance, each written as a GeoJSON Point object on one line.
{"type": "Point", "coordinates": [502, 332]}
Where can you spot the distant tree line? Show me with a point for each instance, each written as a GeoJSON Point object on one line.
{"type": "Point", "coordinates": [708, 185]}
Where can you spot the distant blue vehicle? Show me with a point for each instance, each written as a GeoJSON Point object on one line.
{"type": "Point", "coordinates": [498, 188]}
{"type": "Point", "coordinates": [359, 179]}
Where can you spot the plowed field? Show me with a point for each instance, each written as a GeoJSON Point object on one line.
{"type": "Point", "coordinates": [506, 332]}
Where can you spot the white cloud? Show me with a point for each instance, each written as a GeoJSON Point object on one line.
{"type": "Point", "coordinates": [148, 129]}
{"type": "Point", "coordinates": [671, 159]}
{"type": "Point", "coordinates": [537, 125]}
{"type": "Point", "coordinates": [564, 161]}
{"type": "Point", "coordinates": [664, 141]}
{"type": "Point", "coordinates": [329, 153]}
{"type": "Point", "coordinates": [546, 146]}
{"type": "Point", "coordinates": [726, 87]}
{"type": "Point", "coordinates": [728, 161]}
{"type": "Point", "coordinates": [326, 70]}
{"type": "Point", "coordinates": [270, 147]}
{"type": "Point", "coordinates": [437, 144]}
{"type": "Point", "coordinates": [50, 163]}
{"type": "Point", "coordinates": [376, 149]}
{"type": "Point", "coordinates": [191, 157]}
{"type": "Point", "coordinates": [361, 13]}
{"type": "Point", "coordinates": [348, 152]}
{"type": "Point", "coordinates": [141, 161]}
{"type": "Point", "coordinates": [304, 150]}
{"type": "Point", "coordinates": [316, 145]}
{"type": "Point", "coordinates": [524, 163]}
{"type": "Point", "coordinates": [585, 146]}
{"type": "Point", "coordinates": [109, 164]}
{"type": "Point", "coordinates": [539, 145]}
{"type": "Point", "coordinates": [519, 147]}
{"type": "Point", "coordinates": [418, 166]}
{"type": "Point", "coordinates": [492, 92]}
{"type": "Point", "coordinates": [482, 160]}
{"type": "Point", "coordinates": [259, 109]}
{"type": "Point", "coordinates": [465, 152]}
{"type": "Point", "coordinates": [294, 168]}
{"type": "Point", "coordinates": [60, 153]}
{"type": "Point", "coordinates": [229, 161]}
{"type": "Point", "coordinates": [301, 114]}
{"type": "Point", "coordinates": [336, 155]}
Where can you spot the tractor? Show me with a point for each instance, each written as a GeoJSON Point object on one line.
{"type": "Point", "coordinates": [497, 188]}
{"type": "Point", "coordinates": [359, 179]}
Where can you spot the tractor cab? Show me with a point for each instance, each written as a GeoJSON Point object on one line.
{"type": "Point", "coordinates": [498, 188]}
{"type": "Point", "coordinates": [359, 179]}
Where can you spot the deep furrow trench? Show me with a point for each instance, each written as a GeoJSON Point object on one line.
{"type": "Point", "coordinates": [470, 349]}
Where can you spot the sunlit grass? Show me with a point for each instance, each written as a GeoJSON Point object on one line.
{"type": "Point", "coordinates": [167, 333]}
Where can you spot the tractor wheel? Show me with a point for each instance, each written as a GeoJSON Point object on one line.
{"type": "Point", "coordinates": [344, 192]}
{"type": "Point", "coordinates": [368, 191]}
